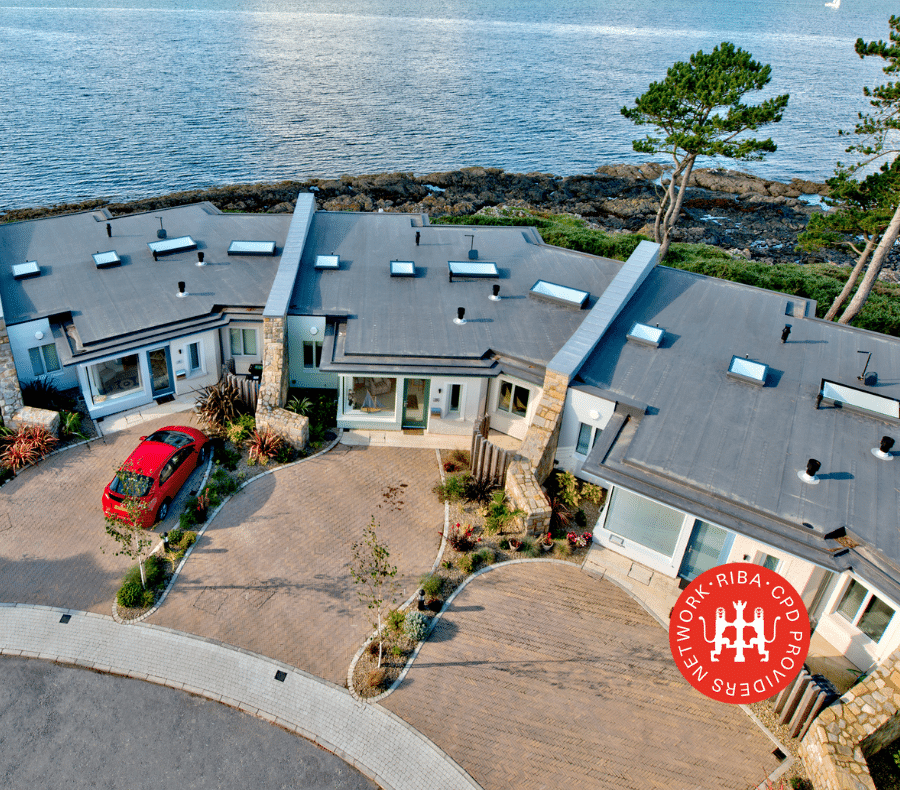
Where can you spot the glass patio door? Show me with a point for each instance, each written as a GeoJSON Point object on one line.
{"type": "Point", "coordinates": [160, 372]}
{"type": "Point", "coordinates": [415, 403]}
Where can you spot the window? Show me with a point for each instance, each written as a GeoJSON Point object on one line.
{"type": "Point", "coordinates": [644, 522]}
{"type": "Point", "coordinates": [455, 396]}
{"type": "Point", "coordinates": [371, 396]}
{"type": "Point", "coordinates": [174, 462]}
{"type": "Point", "coordinates": [114, 378]}
{"type": "Point", "coordinates": [312, 354]}
{"type": "Point", "coordinates": [243, 342]}
{"type": "Point", "coordinates": [768, 561]}
{"type": "Point", "coordinates": [585, 444]}
{"type": "Point", "coordinates": [44, 359]}
{"type": "Point", "coordinates": [194, 356]}
{"type": "Point", "coordinates": [866, 611]}
{"type": "Point", "coordinates": [513, 399]}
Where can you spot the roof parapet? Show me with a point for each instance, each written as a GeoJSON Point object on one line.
{"type": "Point", "coordinates": [289, 265]}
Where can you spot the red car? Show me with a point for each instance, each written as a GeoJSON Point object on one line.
{"type": "Point", "coordinates": [155, 472]}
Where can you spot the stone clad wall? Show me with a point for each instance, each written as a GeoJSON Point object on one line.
{"type": "Point", "coordinates": [42, 418]}
{"type": "Point", "coordinates": [273, 388]}
{"type": "Point", "coordinates": [293, 428]}
{"type": "Point", "coordinates": [865, 720]}
{"type": "Point", "coordinates": [10, 391]}
{"type": "Point", "coordinates": [535, 460]}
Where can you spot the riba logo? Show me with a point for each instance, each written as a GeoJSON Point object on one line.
{"type": "Point", "coordinates": [739, 633]}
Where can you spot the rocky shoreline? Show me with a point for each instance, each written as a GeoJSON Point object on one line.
{"type": "Point", "coordinates": [750, 216]}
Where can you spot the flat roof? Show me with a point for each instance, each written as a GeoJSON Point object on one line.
{"type": "Point", "coordinates": [140, 293]}
{"type": "Point", "coordinates": [735, 447]}
{"type": "Point", "coordinates": [402, 317]}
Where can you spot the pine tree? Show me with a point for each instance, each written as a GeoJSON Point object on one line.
{"type": "Point", "coordinates": [699, 110]}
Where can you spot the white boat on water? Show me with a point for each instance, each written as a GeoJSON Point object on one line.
{"type": "Point", "coordinates": [833, 4]}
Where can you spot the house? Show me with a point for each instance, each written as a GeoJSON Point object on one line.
{"type": "Point", "coordinates": [140, 307]}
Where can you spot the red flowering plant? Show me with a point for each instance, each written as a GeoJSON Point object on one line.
{"type": "Point", "coordinates": [577, 541]}
{"type": "Point", "coordinates": [462, 539]}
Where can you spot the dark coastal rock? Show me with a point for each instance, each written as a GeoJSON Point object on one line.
{"type": "Point", "coordinates": [724, 207]}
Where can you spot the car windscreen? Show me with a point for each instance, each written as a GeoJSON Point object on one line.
{"type": "Point", "coordinates": [171, 438]}
{"type": "Point", "coordinates": [130, 484]}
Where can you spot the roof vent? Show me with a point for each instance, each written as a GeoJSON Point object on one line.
{"type": "Point", "coordinates": [328, 261]}
{"type": "Point", "coordinates": [808, 475]}
{"type": "Point", "coordinates": [161, 233]}
{"type": "Point", "coordinates": [181, 287]}
{"type": "Point", "coordinates": [460, 315]}
{"type": "Point", "coordinates": [559, 294]}
{"type": "Point", "coordinates": [745, 369]}
{"type": "Point", "coordinates": [883, 451]}
{"type": "Point", "coordinates": [473, 253]}
{"type": "Point", "coordinates": [403, 269]}
{"type": "Point", "coordinates": [785, 333]}
{"type": "Point", "coordinates": [28, 269]}
{"type": "Point", "coordinates": [646, 335]}
{"type": "Point", "coordinates": [200, 258]}
{"type": "Point", "coordinates": [106, 260]}
{"type": "Point", "coordinates": [495, 293]}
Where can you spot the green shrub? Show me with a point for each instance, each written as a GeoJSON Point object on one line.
{"type": "Point", "coordinates": [568, 489]}
{"type": "Point", "coordinates": [188, 519]}
{"type": "Point", "coordinates": [175, 536]}
{"type": "Point", "coordinates": [219, 405]}
{"type": "Point", "coordinates": [395, 620]}
{"type": "Point", "coordinates": [466, 563]}
{"type": "Point", "coordinates": [43, 393]}
{"type": "Point", "coordinates": [133, 574]}
{"type": "Point", "coordinates": [580, 518]}
{"type": "Point", "coordinates": [396, 651]}
{"type": "Point", "coordinates": [453, 489]}
{"type": "Point", "coordinates": [130, 595]}
{"type": "Point", "coordinates": [70, 424]}
{"type": "Point", "coordinates": [148, 598]}
{"type": "Point", "coordinates": [224, 482]}
{"type": "Point", "coordinates": [155, 569]}
{"type": "Point", "coordinates": [530, 548]}
{"type": "Point", "coordinates": [239, 430]}
{"type": "Point", "coordinates": [432, 585]}
{"type": "Point", "coordinates": [499, 514]}
{"type": "Point", "coordinates": [415, 625]}
{"type": "Point", "coordinates": [228, 458]}
{"type": "Point", "coordinates": [593, 494]}
{"type": "Point", "coordinates": [484, 557]}
{"type": "Point", "coordinates": [562, 548]}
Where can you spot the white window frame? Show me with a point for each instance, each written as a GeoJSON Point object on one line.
{"type": "Point", "coordinates": [861, 609]}
{"type": "Point", "coordinates": [45, 368]}
{"type": "Point", "coordinates": [458, 410]}
{"type": "Point", "coordinates": [190, 364]}
{"type": "Point", "coordinates": [239, 332]}
{"type": "Point", "coordinates": [316, 354]}
{"type": "Point", "coordinates": [512, 397]}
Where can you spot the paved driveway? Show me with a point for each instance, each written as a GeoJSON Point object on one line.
{"type": "Point", "coordinates": [541, 676]}
{"type": "Point", "coordinates": [270, 573]}
{"type": "Point", "coordinates": [52, 537]}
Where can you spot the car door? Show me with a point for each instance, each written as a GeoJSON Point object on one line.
{"type": "Point", "coordinates": [176, 471]}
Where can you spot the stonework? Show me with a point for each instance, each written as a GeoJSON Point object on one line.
{"type": "Point", "coordinates": [293, 428]}
{"type": "Point", "coordinates": [10, 391]}
{"type": "Point", "coordinates": [863, 722]}
{"type": "Point", "coordinates": [42, 418]}
{"type": "Point", "coordinates": [535, 460]}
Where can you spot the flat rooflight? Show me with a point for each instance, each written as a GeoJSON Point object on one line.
{"type": "Point", "coordinates": [561, 294]}
{"type": "Point", "coordinates": [648, 335]}
{"type": "Point", "coordinates": [748, 370]}
{"type": "Point", "coordinates": [252, 248]}
{"type": "Point", "coordinates": [403, 269]}
{"type": "Point", "coordinates": [103, 260]}
{"type": "Point", "coordinates": [167, 246]}
{"type": "Point", "coordinates": [472, 269]}
{"type": "Point", "coordinates": [858, 399]}
{"type": "Point", "coordinates": [328, 261]}
{"type": "Point", "coordinates": [27, 269]}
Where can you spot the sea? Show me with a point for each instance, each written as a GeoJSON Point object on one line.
{"type": "Point", "coordinates": [122, 99]}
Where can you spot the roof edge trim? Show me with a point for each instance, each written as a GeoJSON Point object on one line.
{"type": "Point", "coordinates": [289, 264]}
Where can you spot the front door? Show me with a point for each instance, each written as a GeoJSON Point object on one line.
{"type": "Point", "coordinates": [160, 371]}
{"type": "Point", "coordinates": [415, 403]}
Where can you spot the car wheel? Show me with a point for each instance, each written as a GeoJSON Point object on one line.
{"type": "Point", "coordinates": [204, 455]}
{"type": "Point", "coordinates": [163, 511]}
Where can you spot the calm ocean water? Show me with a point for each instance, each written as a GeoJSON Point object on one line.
{"type": "Point", "coordinates": [131, 98]}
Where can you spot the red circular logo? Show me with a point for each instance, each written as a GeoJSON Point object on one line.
{"type": "Point", "coordinates": [739, 633]}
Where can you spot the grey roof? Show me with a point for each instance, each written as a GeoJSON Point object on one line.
{"type": "Point", "coordinates": [730, 450]}
{"type": "Point", "coordinates": [140, 293]}
{"type": "Point", "coordinates": [412, 317]}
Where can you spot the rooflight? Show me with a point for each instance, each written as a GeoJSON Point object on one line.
{"type": "Point", "coordinates": [748, 370]}
{"type": "Point", "coordinates": [560, 294]}
{"type": "Point", "coordinates": [167, 246]}
{"type": "Point", "coordinates": [472, 269]}
{"type": "Point", "coordinates": [252, 248]}
{"type": "Point", "coordinates": [646, 335]}
{"type": "Point", "coordinates": [858, 399]}
{"type": "Point", "coordinates": [104, 260]}
{"type": "Point", "coordinates": [403, 269]}
{"type": "Point", "coordinates": [27, 269]}
{"type": "Point", "coordinates": [328, 261]}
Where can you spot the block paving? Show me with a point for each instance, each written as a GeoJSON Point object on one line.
{"type": "Point", "coordinates": [540, 676]}
{"type": "Point", "coordinates": [271, 572]}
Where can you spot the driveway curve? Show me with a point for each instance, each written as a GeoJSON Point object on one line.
{"type": "Point", "coordinates": [271, 572]}
{"type": "Point", "coordinates": [540, 676]}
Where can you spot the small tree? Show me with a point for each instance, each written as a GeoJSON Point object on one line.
{"type": "Point", "coordinates": [128, 531]}
{"type": "Point", "coordinates": [374, 576]}
{"type": "Point", "coordinates": [877, 131]}
{"type": "Point", "coordinates": [699, 110]}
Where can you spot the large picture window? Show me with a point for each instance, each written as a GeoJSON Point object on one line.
{"type": "Point", "coordinates": [243, 342]}
{"type": "Point", "coordinates": [114, 378]}
{"type": "Point", "coordinates": [44, 359]}
{"type": "Point", "coordinates": [368, 395]}
{"type": "Point", "coordinates": [865, 610]}
{"type": "Point", "coordinates": [643, 521]}
{"type": "Point", "coordinates": [513, 399]}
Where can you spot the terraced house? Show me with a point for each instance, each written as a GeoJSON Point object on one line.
{"type": "Point", "coordinates": [727, 422]}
